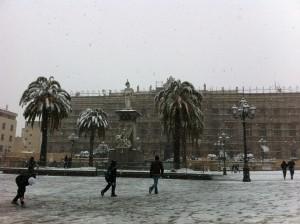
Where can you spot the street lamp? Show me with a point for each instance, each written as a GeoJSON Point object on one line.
{"type": "Point", "coordinates": [243, 111]}
{"type": "Point", "coordinates": [73, 137]}
{"type": "Point", "coordinates": [219, 146]}
{"type": "Point", "coordinates": [223, 137]}
{"type": "Point", "coordinates": [262, 143]}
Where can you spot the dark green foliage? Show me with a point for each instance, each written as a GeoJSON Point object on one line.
{"type": "Point", "coordinates": [45, 100]}
{"type": "Point", "coordinates": [179, 106]}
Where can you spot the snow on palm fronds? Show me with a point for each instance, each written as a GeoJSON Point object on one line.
{"type": "Point", "coordinates": [91, 120]}
{"type": "Point", "coordinates": [45, 98]}
{"type": "Point", "coordinates": [182, 100]}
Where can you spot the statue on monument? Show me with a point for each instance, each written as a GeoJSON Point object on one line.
{"type": "Point", "coordinates": [128, 93]}
{"type": "Point", "coordinates": [122, 140]}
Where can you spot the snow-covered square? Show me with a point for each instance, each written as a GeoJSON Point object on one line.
{"type": "Point", "coordinates": [65, 199]}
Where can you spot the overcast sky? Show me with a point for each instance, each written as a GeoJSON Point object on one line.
{"type": "Point", "coordinates": [94, 45]}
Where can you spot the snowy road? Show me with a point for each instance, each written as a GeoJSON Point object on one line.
{"type": "Point", "coordinates": [267, 199]}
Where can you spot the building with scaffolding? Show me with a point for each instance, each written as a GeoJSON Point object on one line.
{"type": "Point", "coordinates": [276, 121]}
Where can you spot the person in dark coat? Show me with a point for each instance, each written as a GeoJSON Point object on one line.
{"type": "Point", "coordinates": [22, 181]}
{"type": "Point", "coordinates": [156, 170]}
{"type": "Point", "coordinates": [31, 165]}
{"type": "Point", "coordinates": [66, 160]}
{"type": "Point", "coordinates": [110, 177]}
{"type": "Point", "coordinates": [291, 166]}
{"type": "Point", "coordinates": [284, 167]}
{"type": "Point", "coordinates": [70, 162]}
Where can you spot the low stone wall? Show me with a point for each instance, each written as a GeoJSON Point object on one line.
{"type": "Point", "coordinates": [50, 172]}
{"type": "Point", "coordinates": [213, 165]}
{"type": "Point", "coordinates": [129, 174]}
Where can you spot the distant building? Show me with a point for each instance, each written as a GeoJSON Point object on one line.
{"type": "Point", "coordinates": [8, 125]}
{"type": "Point", "coordinates": [18, 145]}
{"type": "Point", "coordinates": [32, 137]}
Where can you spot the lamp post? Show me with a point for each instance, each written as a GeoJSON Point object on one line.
{"type": "Point", "coordinates": [243, 111]}
{"type": "Point", "coordinates": [219, 145]}
{"type": "Point", "coordinates": [223, 137]}
{"type": "Point", "coordinates": [73, 137]}
{"type": "Point", "coordinates": [262, 143]}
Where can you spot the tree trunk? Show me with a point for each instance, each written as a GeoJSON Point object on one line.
{"type": "Point", "coordinates": [176, 142]}
{"type": "Point", "coordinates": [43, 153]}
{"type": "Point", "coordinates": [183, 140]}
{"type": "Point", "coordinates": [92, 137]}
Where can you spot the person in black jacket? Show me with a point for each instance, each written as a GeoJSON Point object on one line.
{"type": "Point", "coordinates": [156, 170]}
{"type": "Point", "coordinates": [291, 166]}
{"type": "Point", "coordinates": [110, 177]}
{"type": "Point", "coordinates": [31, 165]}
{"type": "Point", "coordinates": [66, 160]}
{"type": "Point", "coordinates": [22, 181]}
{"type": "Point", "coordinates": [284, 167]}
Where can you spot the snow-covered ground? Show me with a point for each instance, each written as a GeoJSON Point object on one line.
{"type": "Point", "coordinates": [65, 199]}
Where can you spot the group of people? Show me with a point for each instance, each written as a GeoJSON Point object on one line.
{"type": "Point", "coordinates": [235, 168]}
{"type": "Point", "coordinates": [156, 171]}
{"type": "Point", "coordinates": [290, 165]}
{"type": "Point", "coordinates": [24, 180]}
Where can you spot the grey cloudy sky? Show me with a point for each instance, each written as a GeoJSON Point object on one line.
{"type": "Point", "coordinates": [94, 45]}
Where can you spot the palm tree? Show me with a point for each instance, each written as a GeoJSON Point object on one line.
{"type": "Point", "coordinates": [91, 122]}
{"type": "Point", "coordinates": [46, 100]}
{"type": "Point", "coordinates": [179, 106]}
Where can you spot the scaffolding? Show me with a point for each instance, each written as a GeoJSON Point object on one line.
{"type": "Point", "coordinates": [278, 109]}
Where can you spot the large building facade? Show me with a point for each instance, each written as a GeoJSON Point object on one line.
{"type": "Point", "coordinates": [276, 120]}
{"type": "Point", "coordinates": [8, 125]}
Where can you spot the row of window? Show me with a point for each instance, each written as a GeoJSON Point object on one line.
{"type": "Point", "coordinates": [10, 138]}
{"type": "Point", "coordinates": [4, 126]}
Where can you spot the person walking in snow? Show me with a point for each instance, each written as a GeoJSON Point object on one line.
{"type": "Point", "coordinates": [66, 160]}
{"type": "Point", "coordinates": [70, 162]}
{"type": "Point", "coordinates": [291, 166]}
{"type": "Point", "coordinates": [284, 168]}
{"type": "Point", "coordinates": [111, 177]}
{"type": "Point", "coordinates": [31, 165]}
{"type": "Point", "coordinates": [156, 170]}
{"type": "Point", "coordinates": [22, 181]}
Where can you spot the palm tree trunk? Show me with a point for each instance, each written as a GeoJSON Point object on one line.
{"type": "Point", "coordinates": [92, 137]}
{"type": "Point", "coordinates": [184, 148]}
{"type": "Point", "coordinates": [43, 153]}
{"type": "Point", "coordinates": [176, 142]}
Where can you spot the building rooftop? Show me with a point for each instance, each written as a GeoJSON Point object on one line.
{"type": "Point", "coordinates": [8, 114]}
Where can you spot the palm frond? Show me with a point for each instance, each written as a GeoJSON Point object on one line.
{"type": "Point", "coordinates": [91, 120]}
{"type": "Point", "coordinates": [180, 98]}
{"type": "Point", "coordinates": [46, 95]}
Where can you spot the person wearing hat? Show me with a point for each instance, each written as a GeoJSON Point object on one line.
{"type": "Point", "coordinates": [22, 181]}
{"type": "Point", "coordinates": [110, 177]}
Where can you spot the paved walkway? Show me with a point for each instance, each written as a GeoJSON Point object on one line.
{"type": "Point", "coordinates": [267, 199]}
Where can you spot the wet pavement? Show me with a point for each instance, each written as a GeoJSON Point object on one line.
{"type": "Point", "coordinates": [65, 199]}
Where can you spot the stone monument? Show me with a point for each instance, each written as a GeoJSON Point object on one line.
{"type": "Point", "coordinates": [125, 146]}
